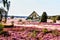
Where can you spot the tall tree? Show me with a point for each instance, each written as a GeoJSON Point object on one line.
{"type": "Point", "coordinates": [44, 17]}
{"type": "Point", "coordinates": [6, 4]}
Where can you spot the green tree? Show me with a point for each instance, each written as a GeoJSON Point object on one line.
{"type": "Point", "coordinates": [12, 17]}
{"type": "Point", "coordinates": [44, 17]}
{"type": "Point", "coordinates": [58, 17]}
{"type": "Point", "coordinates": [54, 20]}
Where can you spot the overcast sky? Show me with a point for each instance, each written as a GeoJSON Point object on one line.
{"type": "Point", "coordinates": [26, 7]}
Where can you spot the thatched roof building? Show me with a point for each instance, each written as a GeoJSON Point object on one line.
{"type": "Point", "coordinates": [33, 16]}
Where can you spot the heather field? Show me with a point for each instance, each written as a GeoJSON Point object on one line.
{"type": "Point", "coordinates": [26, 30]}
{"type": "Point", "coordinates": [29, 20]}
{"type": "Point", "coordinates": [30, 33]}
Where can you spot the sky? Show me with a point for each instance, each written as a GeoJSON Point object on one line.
{"type": "Point", "coordinates": [26, 7]}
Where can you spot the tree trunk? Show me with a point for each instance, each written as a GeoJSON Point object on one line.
{"type": "Point", "coordinates": [5, 17]}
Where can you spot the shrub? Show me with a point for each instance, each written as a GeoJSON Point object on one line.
{"type": "Point", "coordinates": [58, 17]}
{"type": "Point", "coordinates": [34, 33]}
{"type": "Point", "coordinates": [54, 19]}
{"type": "Point", "coordinates": [45, 31]}
{"type": "Point", "coordinates": [20, 20]}
{"type": "Point", "coordinates": [1, 26]}
{"type": "Point", "coordinates": [12, 17]}
{"type": "Point", "coordinates": [3, 32]}
{"type": "Point", "coordinates": [55, 32]}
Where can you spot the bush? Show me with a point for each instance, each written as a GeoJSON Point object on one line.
{"type": "Point", "coordinates": [12, 17]}
{"type": "Point", "coordinates": [3, 32]}
{"type": "Point", "coordinates": [58, 17]}
{"type": "Point", "coordinates": [54, 19]}
{"type": "Point", "coordinates": [45, 31]}
{"type": "Point", "coordinates": [55, 32]}
{"type": "Point", "coordinates": [1, 26]}
{"type": "Point", "coordinates": [34, 33]}
{"type": "Point", "coordinates": [20, 20]}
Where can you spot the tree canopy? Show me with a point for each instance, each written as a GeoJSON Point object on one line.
{"type": "Point", "coordinates": [44, 17]}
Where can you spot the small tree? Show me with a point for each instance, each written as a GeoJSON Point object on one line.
{"type": "Point", "coordinates": [54, 20]}
{"type": "Point", "coordinates": [58, 17]}
{"type": "Point", "coordinates": [44, 17]}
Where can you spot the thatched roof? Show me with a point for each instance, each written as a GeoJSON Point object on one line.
{"type": "Point", "coordinates": [33, 14]}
